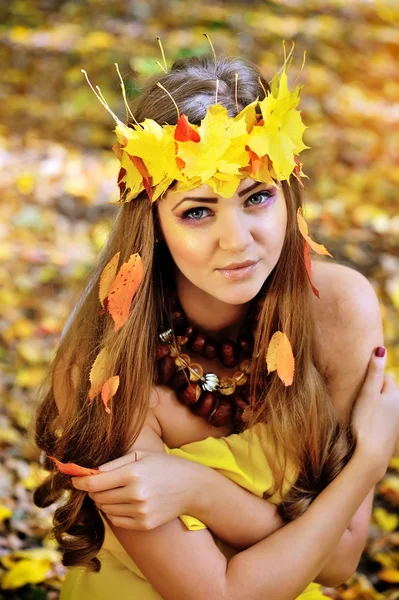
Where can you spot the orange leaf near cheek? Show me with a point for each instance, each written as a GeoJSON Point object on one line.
{"type": "Point", "coordinates": [280, 358]}
{"type": "Point", "coordinates": [308, 265]}
{"type": "Point", "coordinates": [72, 469]}
{"type": "Point", "coordinates": [123, 289]}
{"type": "Point", "coordinates": [303, 228]}
{"type": "Point", "coordinates": [109, 390]}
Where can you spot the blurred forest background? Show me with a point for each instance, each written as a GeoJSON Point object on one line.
{"type": "Point", "coordinates": [58, 180]}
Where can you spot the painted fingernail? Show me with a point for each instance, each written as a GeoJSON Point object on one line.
{"type": "Point", "coordinates": [380, 351]}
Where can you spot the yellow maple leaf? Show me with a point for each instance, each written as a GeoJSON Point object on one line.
{"type": "Point", "coordinates": [221, 146]}
{"type": "Point", "coordinates": [280, 135]}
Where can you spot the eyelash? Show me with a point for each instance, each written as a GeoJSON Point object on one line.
{"type": "Point", "coordinates": [185, 216]}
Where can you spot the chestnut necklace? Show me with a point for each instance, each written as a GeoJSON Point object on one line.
{"type": "Point", "coordinates": [221, 401]}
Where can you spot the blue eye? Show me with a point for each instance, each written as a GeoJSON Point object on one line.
{"type": "Point", "coordinates": [189, 215]}
{"type": "Point", "coordinates": [259, 195]}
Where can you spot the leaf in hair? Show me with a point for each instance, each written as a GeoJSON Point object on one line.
{"type": "Point", "coordinates": [73, 469]}
{"type": "Point", "coordinates": [303, 228]}
{"type": "Point", "coordinates": [98, 375]}
{"type": "Point", "coordinates": [308, 264]}
{"type": "Point", "coordinates": [279, 356]}
{"type": "Point", "coordinates": [123, 288]}
{"type": "Point", "coordinates": [140, 166]}
{"type": "Point", "coordinates": [109, 390]}
{"type": "Point", "coordinates": [185, 132]}
{"type": "Point", "coordinates": [107, 276]}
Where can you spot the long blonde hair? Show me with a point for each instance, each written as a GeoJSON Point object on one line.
{"type": "Point", "coordinates": [301, 417]}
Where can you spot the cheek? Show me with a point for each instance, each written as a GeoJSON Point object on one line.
{"type": "Point", "coordinates": [272, 231]}
{"type": "Point", "coordinates": [188, 248]}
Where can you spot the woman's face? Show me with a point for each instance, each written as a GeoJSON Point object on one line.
{"type": "Point", "coordinates": [206, 233]}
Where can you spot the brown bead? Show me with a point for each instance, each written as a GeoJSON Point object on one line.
{"type": "Point", "coordinates": [189, 332]}
{"type": "Point", "coordinates": [238, 419]}
{"type": "Point", "coordinates": [179, 379]}
{"type": "Point", "coordinates": [166, 370]}
{"type": "Point", "coordinates": [189, 394]}
{"type": "Point", "coordinates": [210, 350]}
{"type": "Point", "coordinates": [246, 345]}
{"type": "Point", "coordinates": [178, 318]}
{"type": "Point", "coordinates": [228, 353]}
{"type": "Point", "coordinates": [162, 350]}
{"type": "Point", "coordinates": [239, 402]}
{"type": "Point", "coordinates": [223, 414]}
{"type": "Point", "coordinates": [197, 342]}
{"type": "Point", "coordinates": [205, 404]}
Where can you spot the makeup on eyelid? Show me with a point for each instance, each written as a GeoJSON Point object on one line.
{"type": "Point", "coordinates": [269, 196]}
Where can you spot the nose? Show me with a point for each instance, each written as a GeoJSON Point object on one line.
{"type": "Point", "coordinates": [234, 233]}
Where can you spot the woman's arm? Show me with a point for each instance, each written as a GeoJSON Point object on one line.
{"type": "Point", "coordinates": [218, 502]}
{"type": "Point", "coordinates": [184, 564]}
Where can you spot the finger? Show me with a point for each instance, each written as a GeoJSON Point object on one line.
{"type": "Point", "coordinates": [118, 510]}
{"type": "Point", "coordinates": [132, 456]}
{"type": "Point", "coordinates": [125, 523]}
{"type": "Point", "coordinates": [104, 481]}
{"type": "Point", "coordinates": [119, 462]}
{"type": "Point", "coordinates": [375, 372]}
{"type": "Point", "coordinates": [120, 495]}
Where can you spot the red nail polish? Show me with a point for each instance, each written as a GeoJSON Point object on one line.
{"type": "Point", "coordinates": [380, 351]}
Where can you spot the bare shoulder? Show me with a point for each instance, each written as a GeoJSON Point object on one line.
{"type": "Point", "coordinates": [347, 313]}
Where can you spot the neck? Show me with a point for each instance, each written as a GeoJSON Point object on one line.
{"type": "Point", "coordinates": [210, 315]}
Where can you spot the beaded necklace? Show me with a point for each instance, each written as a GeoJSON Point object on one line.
{"type": "Point", "coordinates": [221, 401]}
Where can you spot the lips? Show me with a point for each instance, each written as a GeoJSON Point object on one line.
{"type": "Point", "coordinates": [233, 266]}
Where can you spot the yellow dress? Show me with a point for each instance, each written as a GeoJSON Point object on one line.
{"type": "Point", "coordinates": [240, 457]}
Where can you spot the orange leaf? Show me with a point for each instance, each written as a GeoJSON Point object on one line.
{"type": "Point", "coordinates": [108, 391]}
{"type": "Point", "coordinates": [303, 228]}
{"type": "Point", "coordinates": [123, 289]}
{"type": "Point", "coordinates": [308, 265]}
{"type": "Point", "coordinates": [107, 276]}
{"type": "Point", "coordinates": [117, 150]}
{"type": "Point", "coordinates": [97, 373]}
{"type": "Point", "coordinates": [297, 170]}
{"type": "Point", "coordinates": [279, 356]}
{"type": "Point", "coordinates": [184, 132]}
{"type": "Point", "coordinates": [140, 166]}
{"type": "Point", "coordinates": [256, 162]}
{"type": "Point", "coordinates": [72, 469]}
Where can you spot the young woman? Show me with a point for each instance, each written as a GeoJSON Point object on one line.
{"type": "Point", "coordinates": [273, 495]}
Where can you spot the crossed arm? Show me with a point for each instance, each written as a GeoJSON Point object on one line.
{"type": "Point", "coordinates": [242, 519]}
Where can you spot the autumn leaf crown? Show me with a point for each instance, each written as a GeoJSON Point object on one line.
{"type": "Point", "coordinates": [219, 152]}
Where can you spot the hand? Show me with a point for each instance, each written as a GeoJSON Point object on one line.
{"type": "Point", "coordinates": [375, 417]}
{"type": "Point", "coordinates": [141, 490]}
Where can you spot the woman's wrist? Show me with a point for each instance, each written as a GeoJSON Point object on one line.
{"type": "Point", "coordinates": [369, 461]}
{"type": "Point", "coordinates": [199, 481]}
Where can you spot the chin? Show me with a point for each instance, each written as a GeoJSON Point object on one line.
{"type": "Point", "coordinates": [236, 294]}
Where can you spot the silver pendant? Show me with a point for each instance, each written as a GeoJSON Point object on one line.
{"type": "Point", "coordinates": [166, 336]}
{"type": "Point", "coordinates": [210, 382]}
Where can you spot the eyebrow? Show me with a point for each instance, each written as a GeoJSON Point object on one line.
{"type": "Point", "coordinates": [214, 200]}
